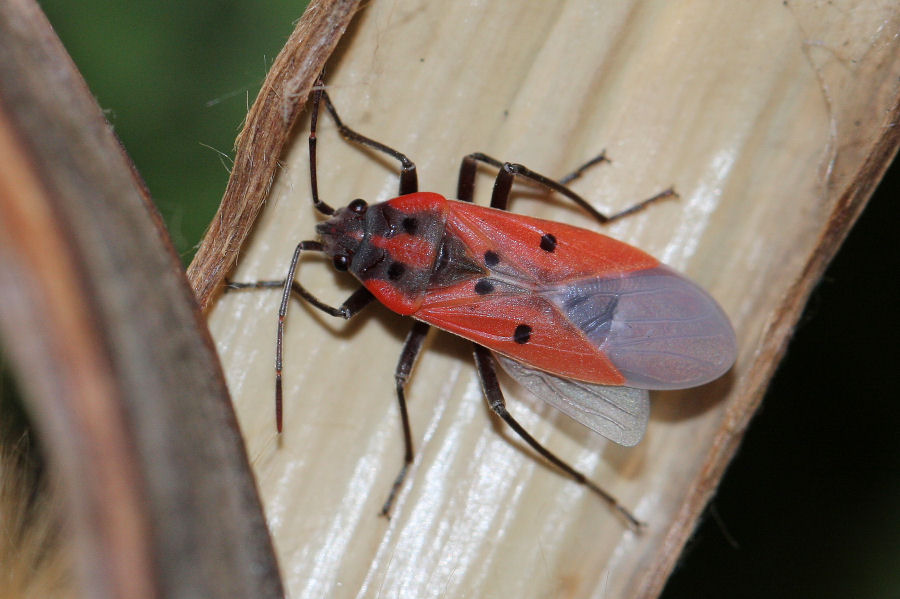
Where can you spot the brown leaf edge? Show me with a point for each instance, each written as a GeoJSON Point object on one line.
{"type": "Point", "coordinates": [260, 144]}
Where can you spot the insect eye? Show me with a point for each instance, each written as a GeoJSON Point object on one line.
{"type": "Point", "coordinates": [358, 206]}
{"type": "Point", "coordinates": [341, 262]}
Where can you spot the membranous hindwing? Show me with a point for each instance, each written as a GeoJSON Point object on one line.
{"type": "Point", "coordinates": [618, 413]}
{"type": "Point", "coordinates": [659, 329]}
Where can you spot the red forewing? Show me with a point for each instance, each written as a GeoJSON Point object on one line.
{"type": "Point", "coordinates": [526, 251]}
{"type": "Point", "coordinates": [520, 324]}
{"type": "Point", "coordinates": [579, 305]}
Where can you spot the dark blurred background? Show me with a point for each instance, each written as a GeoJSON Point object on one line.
{"type": "Point", "coordinates": [810, 507]}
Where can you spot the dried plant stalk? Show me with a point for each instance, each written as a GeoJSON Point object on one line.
{"type": "Point", "coordinates": [774, 121]}
{"type": "Point", "coordinates": [116, 366]}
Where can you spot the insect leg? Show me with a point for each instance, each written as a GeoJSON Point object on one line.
{"type": "Point", "coordinates": [484, 364]}
{"type": "Point", "coordinates": [601, 158]}
{"type": "Point", "coordinates": [466, 184]}
{"type": "Point", "coordinates": [411, 348]}
{"type": "Point", "coordinates": [313, 171]}
{"type": "Point", "coordinates": [408, 179]}
{"type": "Point", "coordinates": [358, 300]}
{"type": "Point", "coordinates": [508, 171]}
{"type": "Point", "coordinates": [353, 304]}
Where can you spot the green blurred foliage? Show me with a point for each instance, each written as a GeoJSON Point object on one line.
{"type": "Point", "coordinates": [175, 80]}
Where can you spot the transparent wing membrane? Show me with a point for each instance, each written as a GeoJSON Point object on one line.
{"type": "Point", "coordinates": [660, 330]}
{"type": "Point", "coordinates": [618, 413]}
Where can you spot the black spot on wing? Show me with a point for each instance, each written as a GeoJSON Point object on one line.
{"type": "Point", "coordinates": [548, 242]}
{"type": "Point", "coordinates": [483, 287]}
{"type": "Point", "coordinates": [522, 334]}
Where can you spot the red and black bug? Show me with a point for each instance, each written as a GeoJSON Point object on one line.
{"type": "Point", "coordinates": [587, 323]}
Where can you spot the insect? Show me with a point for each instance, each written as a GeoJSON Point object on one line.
{"type": "Point", "coordinates": [587, 323]}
